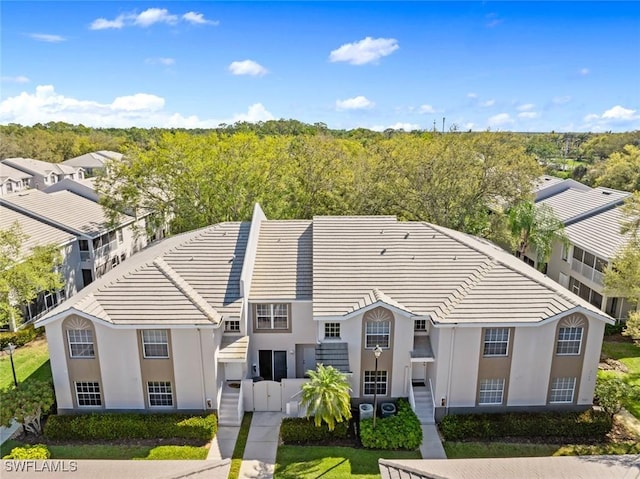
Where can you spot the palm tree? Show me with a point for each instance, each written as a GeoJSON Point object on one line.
{"type": "Point", "coordinates": [538, 227]}
{"type": "Point", "coordinates": [326, 396]}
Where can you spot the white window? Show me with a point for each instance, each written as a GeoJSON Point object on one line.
{"type": "Point", "coordinates": [370, 383]}
{"type": "Point", "coordinates": [272, 316]}
{"type": "Point", "coordinates": [80, 343]}
{"type": "Point", "coordinates": [377, 333]}
{"type": "Point", "coordinates": [565, 252]}
{"type": "Point", "coordinates": [332, 330]}
{"type": "Point", "coordinates": [562, 390]}
{"type": "Point", "coordinates": [120, 236]}
{"type": "Point", "coordinates": [420, 325]}
{"type": "Point", "coordinates": [564, 280]}
{"type": "Point", "coordinates": [160, 394]}
{"type": "Point", "coordinates": [88, 394]}
{"type": "Point", "coordinates": [496, 341]}
{"type": "Point", "coordinates": [155, 343]}
{"type": "Point", "coordinates": [569, 340]}
{"type": "Point", "coordinates": [231, 326]}
{"type": "Point", "coordinates": [491, 391]}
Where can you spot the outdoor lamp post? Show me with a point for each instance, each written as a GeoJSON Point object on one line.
{"type": "Point", "coordinates": [377, 351]}
{"type": "Point", "coordinates": [10, 348]}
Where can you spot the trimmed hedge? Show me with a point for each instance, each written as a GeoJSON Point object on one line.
{"type": "Point", "coordinates": [300, 430]}
{"type": "Point", "coordinates": [20, 337]}
{"type": "Point", "coordinates": [587, 424]}
{"type": "Point", "coordinates": [402, 431]}
{"type": "Point", "coordinates": [37, 451]}
{"type": "Point", "coordinates": [96, 427]}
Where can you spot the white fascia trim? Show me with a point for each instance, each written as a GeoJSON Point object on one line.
{"type": "Point", "coordinates": [371, 306]}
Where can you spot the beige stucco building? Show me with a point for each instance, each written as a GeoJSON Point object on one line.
{"type": "Point", "coordinates": [230, 318]}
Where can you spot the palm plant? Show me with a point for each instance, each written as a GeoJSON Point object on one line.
{"type": "Point", "coordinates": [326, 396]}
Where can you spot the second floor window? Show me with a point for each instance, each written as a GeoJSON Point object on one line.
{"type": "Point", "coordinates": [420, 325]}
{"type": "Point", "coordinates": [332, 330]}
{"type": "Point", "coordinates": [569, 340]}
{"type": "Point", "coordinates": [232, 326]}
{"type": "Point", "coordinates": [80, 343]}
{"type": "Point", "coordinates": [496, 342]}
{"type": "Point", "coordinates": [272, 316]}
{"type": "Point", "coordinates": [155, 343]}
{"type": "Point", "coordinates": [377, 333]}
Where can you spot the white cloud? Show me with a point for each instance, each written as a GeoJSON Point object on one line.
{"type": "Point", "coordinates": [617, 115]}
{"type": "Point", "coordinates": [247, 67]}
{"type": "Point", "coordinates": [161, 61]}
{"type": "Point", "coordinates": [492, 20]}
{"type": "Point", "coordinates": [355, 103]}
{"type": "Point", "coordinates": [500, 119]}
{"type": "Point", "coordinates": [365, 51]}
{"type": "Point", "coordinates": [469, 126]}
{"type": "Point", "coordinates": [472, 95]}
{"type": "Point", "coordinates": [46, 37]}
{"type": "Point", "coordinates": [488, 103]}
{"type": "Point", "coordinates": [561, 100]}
{"type": "Point", "coordinates": [427, 109]}
{"type": "Point", "coordinates": [143, 110]}
{"type": "Point", "coordinates": [583, 72]}
{"type": "Point", "coordinates": [18, 79]}
{"type": "Point", "coordinates": [149, 17]}
{"type": "Point", "coordinates": [526, 107]}
{"type": "Point", "coordinates": [620, 113]}
{"type": "Point", "coordinates": [104, 24]}
{"type": "Point", "coordinates": [528, 115]}
{"type": "Point", "coordinates": [198, 19]}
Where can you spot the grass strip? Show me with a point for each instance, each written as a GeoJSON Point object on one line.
{"type": "Point", "coordinates": [241, 442]}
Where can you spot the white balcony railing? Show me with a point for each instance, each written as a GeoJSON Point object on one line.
{"type": "Point", "coordinates": [587, 271]}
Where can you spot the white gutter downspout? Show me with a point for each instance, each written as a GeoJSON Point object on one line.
{"type": "Point", "coordinates": [202, 388]}
{"type": "Point", "coordinates": [453, 342]}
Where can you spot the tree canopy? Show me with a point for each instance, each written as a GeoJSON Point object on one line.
{"type": "Point", "coordinates": [326, 396]}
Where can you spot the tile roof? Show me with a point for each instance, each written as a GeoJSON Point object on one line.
{"type": "Point", "coordinates": [7, 171]}
{"type": "Point", "coordinates": [283, 266]}
{"type": "Point", "coordinates": [40, 167]}
{"type": "Point", "coordinates": [600, 233]}
{"type": "Point", "coordinates": [546, 181]}
{"type": "Point", "coordinates": [38, 233]}
{"type": "Point", "coordinates": [571, 205]}
{"type": "Point", "coordinates": [233, 349]}
{"type": "Point", "coordinates": [65, 210]}
{"type": "Point", "coordinates": [95, 159]}
{"type": "Point", "coordinates": [189, 279]}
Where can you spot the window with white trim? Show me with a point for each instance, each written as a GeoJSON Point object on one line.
{"type": "Point", "coordinates": [377, 333]}
{"type": "Point", "coordinates": [80, 343]}
{"type": "Point", "coordinates": [155, 343]}
{"type": "Point", "coordinates": [569, 340]}
{"type": "Point", "coordinates": [332, 330]}
{"type": "Point", "coordinates": [272, 316]}
{"type": "Point", "coordinates": [160, 394]}
{"type": "Point", "coordinates": [88, 394]}
{"type": "Point", "coordinates": [231, 325]}
{"type": "Point", "coordinates": [562, 390]}
{"type": "Point", "coordinates": [491, 391]}
{"type": "Point", "coordinates": [369, 385]}
{"type": "Point", "coordinates": [496, 342]}
{"type": "Point", "coordinates": [420, 325]}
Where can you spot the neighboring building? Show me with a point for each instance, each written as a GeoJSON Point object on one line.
{"type": "Point", "coordinates": [13, 180]}
{"type": "Point", "coordinates": [93, 162]}
{"type": "Point", "coordinates": [547, 186]}
{"type": "Point", "coordinates": [463, 325]}
{"type": "Point", "coordinates": [85, 188]}
{"type": "Point", "coordinates": [591, 217]}
{"type": "Point", "coordinates": [41, 234]}
{"type": "Point", "coordinates": [102, 246]}
{"type": "Point", "coordinates": [44, 173]}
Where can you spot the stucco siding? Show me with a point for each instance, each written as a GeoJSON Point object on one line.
{"type": "Point", "coordinates": [465, 366]}
{"type": "Point", "coordinates": [188, 369]}
{"type": "Point", "coordinates": [441, 341]}
{"type": "Point", "coordinates": [592, 346]}
{"type": "Point", "coordinates": [58, 361]}
{"type": "Point", "coordinates": [403, 345]}
{"type": "Point", "coordinates": [120, 367]}
{"type": "Point", "coordinates": [533, 351]}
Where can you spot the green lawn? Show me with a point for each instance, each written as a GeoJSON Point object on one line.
{"type": "Point", "coordinates": [309, 462]}
{"type": "Point", "coordinates": [31, 362]}
{"type": "Point", "coordinates": [628, 354]}
{"type": "Point", "coordinates": [241, 442]}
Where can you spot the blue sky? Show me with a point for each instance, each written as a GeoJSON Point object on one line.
{"type": "Point", "coordinates": [520, 66]}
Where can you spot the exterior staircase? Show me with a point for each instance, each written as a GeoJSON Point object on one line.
{"type": "Point", "coordinates": [424, 404]}
{"type": "Point", "coordinates": [228, 412]}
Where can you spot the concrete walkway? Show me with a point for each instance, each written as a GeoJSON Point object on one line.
{"type": "Point", "coordinates": [7, 432]}
{"type": "Point", "coordinates": [259, 458]}
{"type": "Point", "coordinates": [223, 444]}
{"type": "Point", "coordinates": [431, 447]}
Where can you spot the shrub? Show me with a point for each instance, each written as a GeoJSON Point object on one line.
{"type": "Point", "coordinates": [20, 337]}
{"type": "Point", "coordinates": [610, 329]}
{"type": "Point", "coordinates": [402, 431]}
{"type": "Point", "coordinates": [37, 451]}
{"type": "Point", "coordinates": [587, 424]}
{"type": "Point", "coordinates": [130, 426]}
{"type": "Point", "coordinates": [300, 430]}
